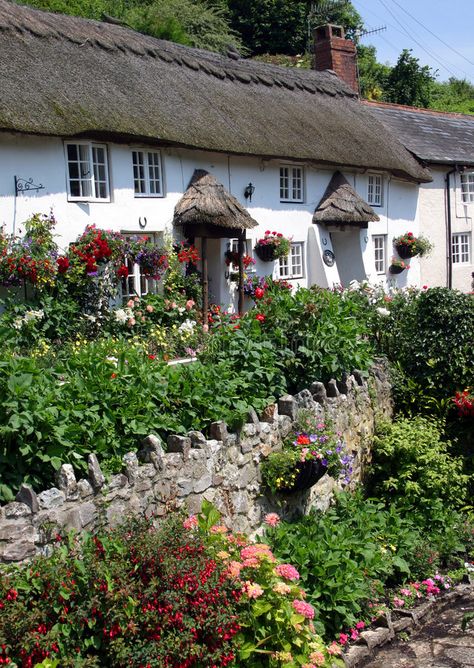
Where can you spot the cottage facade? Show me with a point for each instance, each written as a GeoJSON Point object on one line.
{"type": "Point", "coordinates": [109, 126]}
{"type": "Point", "coordinates": [445, 143]}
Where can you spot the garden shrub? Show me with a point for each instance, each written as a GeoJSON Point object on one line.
{"type": "Point", "coordinates": [412, 463]}
{"type": "Point", "coordinates": [186, 594]}
{"type": "Point", "coordinates": [348, 556]}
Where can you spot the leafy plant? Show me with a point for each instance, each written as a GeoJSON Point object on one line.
{"type": "Point", "coordinates": [411, 462]}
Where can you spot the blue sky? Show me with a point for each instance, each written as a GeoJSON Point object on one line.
{"type": "Point", "coordinates": [451, 21]}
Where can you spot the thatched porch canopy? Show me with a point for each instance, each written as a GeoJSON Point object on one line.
{"type": "Point", "coordinates": [207, 209]}
{"type": "Point", "coordinates": [341, 205]}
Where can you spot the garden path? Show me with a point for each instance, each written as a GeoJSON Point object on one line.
{"type": "Point", "coordinates": [441, 643]}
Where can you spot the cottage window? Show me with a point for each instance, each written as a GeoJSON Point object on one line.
{"type": "Point", "coordinates": [375, 189]}
{"type": "Point", "coordinates": [292, 266]}
{"type": "Point", "coordinates": [291, 183]}
{"type": "Point", "coordinates": [88, 174]}
{"type": "Point", "coordinates": [136, 284]}
{"type": "Point", "coordinates": [379, 253]}
{"type": "Point", "coordinates": [147, 174]}
{"type": "Point", "coordinates": [467, 187]}
{"type": "Point", "coordinates": [461, 248]}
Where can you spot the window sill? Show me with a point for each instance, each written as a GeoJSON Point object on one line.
{"type": "Point", "coordinates": [88, 200]}
{"type": "Point", "coordinates": [148, 196]}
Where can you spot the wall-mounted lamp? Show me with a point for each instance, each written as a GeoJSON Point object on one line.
{"type": "Point", "coordinates": [249, 191]}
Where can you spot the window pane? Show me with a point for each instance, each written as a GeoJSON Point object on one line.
{"type": "Point", "coordinates": [284, 183]}
{"type": "Point", "coordinates": [284, 267]}
{"type": "Point", "coordinates": [154, 173]}
{"type": "Point", "coordinates": [379, 253]}
{"type": "Point", "coordinates": [296, 259]}
{"type": "Point", "coordinates": [139, 172]}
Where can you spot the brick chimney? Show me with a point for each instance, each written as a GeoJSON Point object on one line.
{"type": "Point", "coordinates": [332, 51]}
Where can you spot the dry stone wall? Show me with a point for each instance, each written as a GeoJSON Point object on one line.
{"type": "Point", "coordinates": [223, 469]}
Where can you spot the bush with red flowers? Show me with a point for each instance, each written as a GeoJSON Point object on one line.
{"type": "Point", "coordinates": [135, 596]}
{"type": "Point", "coordinates": [464, 402]}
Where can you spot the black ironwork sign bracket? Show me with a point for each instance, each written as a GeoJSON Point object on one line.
{"type": "Point", "coordinates": [25, 185]}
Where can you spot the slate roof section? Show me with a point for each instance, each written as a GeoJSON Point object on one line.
{"type": "Point", "coordinates": [433, 136]}
{"type": "Point", "coordinates": [341, 205]}
{"type": "Point", "coordinates": [70, 77]}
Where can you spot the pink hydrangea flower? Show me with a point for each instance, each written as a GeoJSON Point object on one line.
{"type": "Point", "coordinates": [333, 649]}
{"type": "Point", "coordinates": [303, 608]}
{"type": "Point", "coordinates": [252, 589]}
{"type": "Point", "coordinates": [360, 625]}
{"type": "Point", "coordinates": [287, 571]}
{"type": "Point", "coordinates": [218, 528]}
{"type": "Point", "coordinates": [234, 569]}
{"type": "Point", "coordinates": [343, 638]}
{"type": "Point", "coordinates": [398, 602]}
{"type": "Point", "coordinates": [317, 658]}
{"type": "Point", "coordinates": [272, 519]}
{"type": "Point", "coordinates": [190, 522]}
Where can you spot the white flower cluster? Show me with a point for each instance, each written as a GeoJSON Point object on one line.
{"type": "Point", "coordinates": [187, 327]}
{"type": "Point", "coordinates": [28, 318]}
{"type": "Point", "coordinates": [123, 315]}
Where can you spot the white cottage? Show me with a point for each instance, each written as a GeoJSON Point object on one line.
{"type": "Point", "coordinates": [107, 126]}
{"type": "Point", "coordinates": [445, 143]}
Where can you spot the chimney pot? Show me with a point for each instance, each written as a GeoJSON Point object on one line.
{"type": "Point", "coordinates": [332, 51]}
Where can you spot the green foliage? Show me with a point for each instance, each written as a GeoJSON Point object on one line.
{"type": "Point", "coordinates": [192, 22]}
{"type": "Point", "coordinates": [411, 463]}
{"type": "Point", "coordinates": [409, 82]}
{"type": "Point", "coordinates": [455, 95]}
{"type": "Point", "coordinates": [429, 334]}
{"type": "Point", "coordinates": [372, 74]}
{"type": "Point", "coordinates": [348, 556]}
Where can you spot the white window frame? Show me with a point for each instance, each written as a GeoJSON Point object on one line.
{"type": "Point", "coordinates": [137, 285]}
{"type": "Point", "coordinates": [287, 265]}
{"type": "Point", "coordinates": [89, 177]}
{"type": "Point", "coordinates": [379, 243]}
{"type": "Point", "coordinates": [467, 187]}
{"type": "Point", "coordinates": [375, 189]}
{"type": "Point", "coordinates": [461, 248]}
{"type": "Point", "coordinates": [149, 182]}
{"type": "Point", "coordinates": [292, 178]}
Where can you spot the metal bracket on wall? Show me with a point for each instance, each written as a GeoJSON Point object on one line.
{"type": "Point", "coordinates": [24, 185]}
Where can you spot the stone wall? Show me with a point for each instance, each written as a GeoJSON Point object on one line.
{"type": "Point", "coordinates": [223, 469]}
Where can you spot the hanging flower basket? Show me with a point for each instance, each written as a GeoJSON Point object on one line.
{"type": "Point", "coordinates": [407, 245]}
{"type": "Point", "coordinates": [265, 253]}
{"type": "Point", "coordinates": [397, 266]}
{"type": "Point", "coordinates": [272, 246]}
{"type": "Point", "coordinates": [309, 472]}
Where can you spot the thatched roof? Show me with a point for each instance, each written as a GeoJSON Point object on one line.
{"type": "Point", "coordinates": [68, 76]}
{"type": "Point", "coordinates": [341, 205]}
{"type": "Point", "coordinates": [207, 202]}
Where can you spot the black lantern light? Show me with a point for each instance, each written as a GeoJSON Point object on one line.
{"type": "Point", "coordinates": [249, 191]}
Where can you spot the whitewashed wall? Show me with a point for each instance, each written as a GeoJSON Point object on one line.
{"type": "Point", "coordinates": [433, 207]}
{"type": "Point", "coordinates": [43, 160]}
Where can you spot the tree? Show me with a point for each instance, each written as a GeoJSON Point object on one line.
{"type": "Point", "coordinates": [453, 95]}
{"type": "Point", "coordinates": [372, 74]}
{"type": "Point", "coordinates": [409, 82]}
{"type": "Point", "coordinates": [279, 26]}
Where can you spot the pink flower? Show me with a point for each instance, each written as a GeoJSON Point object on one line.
{"type": "Point", "coordinates": [218, 528]}
{"type": "Point", "coordinates": [272, 519]}
{"type": "Point", "coordinates": [354, 634]}
{"type": "Point", "coordinates": [334, 649]}
{"type": "Point", "coordinates": [317, 658]}
{"type": "Point", "coordinates": [189, 304]}
{"type": "Point", "coordinates": [130, 303]}
{"type": "Point", "coordinates": [149, 308]}
{"type": "Point", "coordinates": [398, 602]}
{"type": "Point", "coordinates": [131, 322]}
{"type": "Point", "coordinates": [360, 625]}
{"type": "Point", "coordinates": [405, 592]}
{"type": "Point", "coordinates": [234, 569]}
{"type": "Point", "coordinates": [287, 571]}
{"type": "Point", "coordinates": [252, 589]}
{"type": "Point", "coordinates": [343, 638]}
{"type": "Point", "coordinates": [303, 608]}
{"type": "Point", "coordinates": [190, 522]}
{"type": "Point", "coordinates": [281, 588]}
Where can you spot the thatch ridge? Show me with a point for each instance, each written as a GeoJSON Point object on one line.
{"type": "Point", "coordinates": [71, 77]}
{"type": "Point", "coordinates": [341, 205]}
{"type": "Point", "coordinates": [207, 202]}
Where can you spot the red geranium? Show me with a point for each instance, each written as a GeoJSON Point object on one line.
{"type": "Point", "coordinates": [260, 317]}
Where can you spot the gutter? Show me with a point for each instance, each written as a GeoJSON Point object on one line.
{"type": "Point", "coordinates": [449, 256]}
